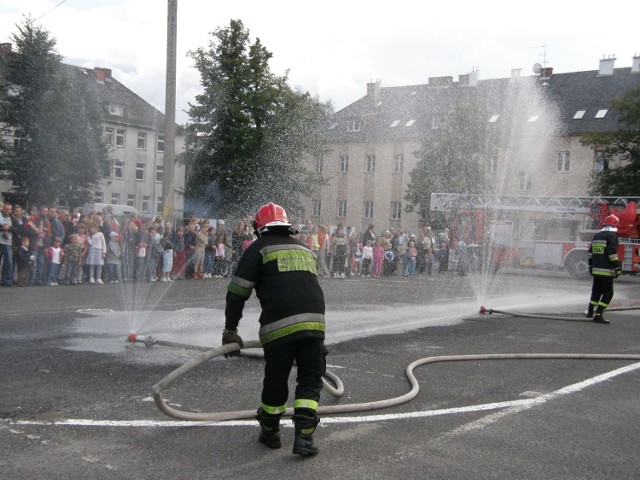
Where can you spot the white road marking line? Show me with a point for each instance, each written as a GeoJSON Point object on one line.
{"type": "Point", "coordinates": [520, 404]}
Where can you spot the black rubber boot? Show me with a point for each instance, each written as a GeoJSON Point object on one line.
{"type": "Point", "coordinates": [305, 423]}
{"type": "Point", "coordinates": [589, 311]}
{"type": "Point", "coordinates": [598, 316]}
{"type": "Point", "coordinates": [270, 425]}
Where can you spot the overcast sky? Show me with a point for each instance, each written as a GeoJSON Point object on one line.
{"type": "Point", "coordinates": [333, 48]}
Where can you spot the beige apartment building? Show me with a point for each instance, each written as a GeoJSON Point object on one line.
{"type": "Point", "coordinates": [134, 133]}
{"type": "Point", "coordinates": [372, 142]}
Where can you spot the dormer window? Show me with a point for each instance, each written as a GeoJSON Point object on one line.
{"type": "Point", "coordinates": [353, 125]}
{"type": "Point", "coordinates": [117, 110]}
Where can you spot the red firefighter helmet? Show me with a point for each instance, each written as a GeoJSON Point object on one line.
{"type": "Point", "coordinates": [611, 221]}
{"type": "Point", "coordinates": [271, 215]}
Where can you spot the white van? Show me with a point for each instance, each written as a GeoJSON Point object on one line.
{"type": "Point", "coordinates": [119, 211]}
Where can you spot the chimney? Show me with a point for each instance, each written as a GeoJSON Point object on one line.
{"type": "Point", "coordinates": [606, 66]}
{"type": "Point", "coordinates": [102, 74]}
{"type": "Point", "coordinates": [515, 74]}
{"type": "Point", "coordinates": [635, 66]}
{"type": "Point", "coordinates": [373, 92]}
{"type": "Point", "coordinates": [546, 72]}
{"type": "Point", "coordinates": [463, 79]}
{"type": "Point", "coordinates": [473, 78]}
{"type": "Point", "coordinates": [5, 49]}
{"type": "Point", "coordinates": [440, 81]}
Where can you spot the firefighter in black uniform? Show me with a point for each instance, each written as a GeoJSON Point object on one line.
{"type": "Point", "coordinates": [282, 270]}
{"type": "Point", "coordinates": [604, 267]}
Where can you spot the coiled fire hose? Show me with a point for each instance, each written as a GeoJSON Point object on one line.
{"type": "Point", "coordinates": [337, 389]}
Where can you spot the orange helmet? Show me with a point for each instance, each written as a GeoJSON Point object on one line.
{"type": "Point", "coordinates": [611, 221]}
{"type": "Point", "coordinates": [271, 215]}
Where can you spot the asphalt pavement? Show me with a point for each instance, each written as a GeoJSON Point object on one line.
{"type": "Point", "coordinates": [76, 397]}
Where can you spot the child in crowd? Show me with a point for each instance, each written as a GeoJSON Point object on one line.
{"type": "Point", "coordinates": [167, 259]}
{"type": "Point", "coordinates": [24, 261]}
{"type": "Point", "coordinates": [409, 260]}
{"type": "Point", "coordinates": [54, 255]}
{"type": "Point", "coordinates": [179, 253]}
{"type": "Point", "coordinates": [97, 253]}
{"type": "Point", "coordinates": [367, 259]}
{"type": "Point", "coordinates": [73, 257]}
{"type": "Point", "coordinates": [153, 250]}
{"type": "Point", "coordinates": [114, 258]}
{"type": "Point", "coordinates": [220, 259]}
{"type": "Point", "coordinates": [339, 252]}
{"type": "Point", "coordinates": [141, 253]}
{"type": "Point", "coordinates": [84, 240]}
{"type": "Point", "coordinates": [378, 257]}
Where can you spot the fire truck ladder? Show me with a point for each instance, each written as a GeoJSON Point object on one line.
{"type": "Point", "coordinates": [447, 202]}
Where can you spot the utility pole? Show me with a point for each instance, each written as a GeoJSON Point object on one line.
{"type": "Point", "coordinates": [168, 189]}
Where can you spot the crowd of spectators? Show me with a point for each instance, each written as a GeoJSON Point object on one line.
{"type": "Point", "coordinates": [50, 246]}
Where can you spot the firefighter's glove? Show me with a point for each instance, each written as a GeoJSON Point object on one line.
{"type": "Point", "coordinates": [231, 336]}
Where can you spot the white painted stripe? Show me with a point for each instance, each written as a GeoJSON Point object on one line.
{"type": "Point", "coordinates": [576, 387]}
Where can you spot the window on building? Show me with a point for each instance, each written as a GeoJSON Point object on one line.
{"type": "Point", "coordinates": [398, 162]}
{"type": "Point", "coordinates": [318, 164]}
{"type": "Point", "coordinates": [601, 161]}
{"type": "Point", "coordinates": [410, 122]}
{"type": "Point", "coordinates": [142, 141]}
{"type": "Point", "coordinates": [353, 125]}
{"type": "Point", "coordinates": [492, 165]}
{"type": "Point", "coordinates": [120, 137]}
{"type": "Point", "coordinates": [117, 110]}
{"type": "Point", "coordinates": [159, 205]}
{"type": "Point", "coordinates": [108, 135]}
{"type": "Point", "coordinates": [159, 173]}
{"type": "Point", "coordinates": [160, 142]}
{"type": "Point", "coordinates": [394, 124]}
{"type": "Point", "coordinates": [534, 118]}
{"type": "Point", "coordinates": [562, 161]}
{"type": "Point", "coordinates": [525, 180]}
{"type": "Point", "coordinates": [118, 169]}
{"type": "Point", "coordinates": [131, 200]}
{"type": "Point", "coordinates": [342, 208]}
{"type": "Point", "coordinates": [145, 203]}
{"type": "Point", "coordinates": [396, 210]}
{"type": "Point", "coordinates": [344, 163]}
{"type": "Point", "coordinates": [367, 209]}
{"type": "Point", "coordinates": [601, 113]}
{"type": "Point", "coordinates": [139, 171]}
{"type": "Point", "coordinates": [115, 198]}
{"type": "Point", "coordinates": [435, 123]}
{"type": "Point", "coordinates": [370, 165]}
{"type": "Point", "coordinates": [98, 196]}
{"type": "Point", "coordinates": [579, 114]}
{"type": "Point", "coordinates": [317, 207]}
{"type": "Point", "coordinates": [494, 118]}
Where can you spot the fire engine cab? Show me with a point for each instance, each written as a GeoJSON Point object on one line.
{"type": "Point", "coordinates": [540, 231]}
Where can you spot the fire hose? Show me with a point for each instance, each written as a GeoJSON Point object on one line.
{"type": "Point", "coordinates": [337, 389]}
{"type": "Point", "coordinates": [490, 311]}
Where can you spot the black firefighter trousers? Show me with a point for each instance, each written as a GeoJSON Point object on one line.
{"type": "Point", "coordinates": [309, 355]}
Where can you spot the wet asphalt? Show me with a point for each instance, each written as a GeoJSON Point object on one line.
{"type": "Point", "coordinates": [83, 413]}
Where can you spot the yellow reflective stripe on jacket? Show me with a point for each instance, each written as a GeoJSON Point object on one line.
{"type": "Point", "coordinates": [240, 286]}
{"type": "Point", "coordinates": [602, 272]}
{"type": "Point", "coordinates": [289, 325]}
{"type": "Point", "coordinates": [292, 259]}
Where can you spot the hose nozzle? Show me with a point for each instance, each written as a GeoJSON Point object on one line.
{"type": "Point", "coordinates": [485, 310]}
{"type": "Point", "coordinates": [148, 340]}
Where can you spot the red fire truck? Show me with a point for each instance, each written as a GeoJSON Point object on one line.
{"type": "Point", "coordinates": [541, 231]}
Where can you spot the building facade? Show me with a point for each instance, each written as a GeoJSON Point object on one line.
{"type": "Point", "coordinates": [539, 119]}
{"type": "Point", "coordinates": [134, 133]}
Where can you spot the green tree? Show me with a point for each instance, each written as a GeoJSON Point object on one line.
{"type": "Point", "coordinates": [57, 152]}
{"type": "Point", "coordinates": [249, 131]}
{"type": "Point", "coordinates": [623, 145]}
{"type": "Point", "coordinates": [453, 158]}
